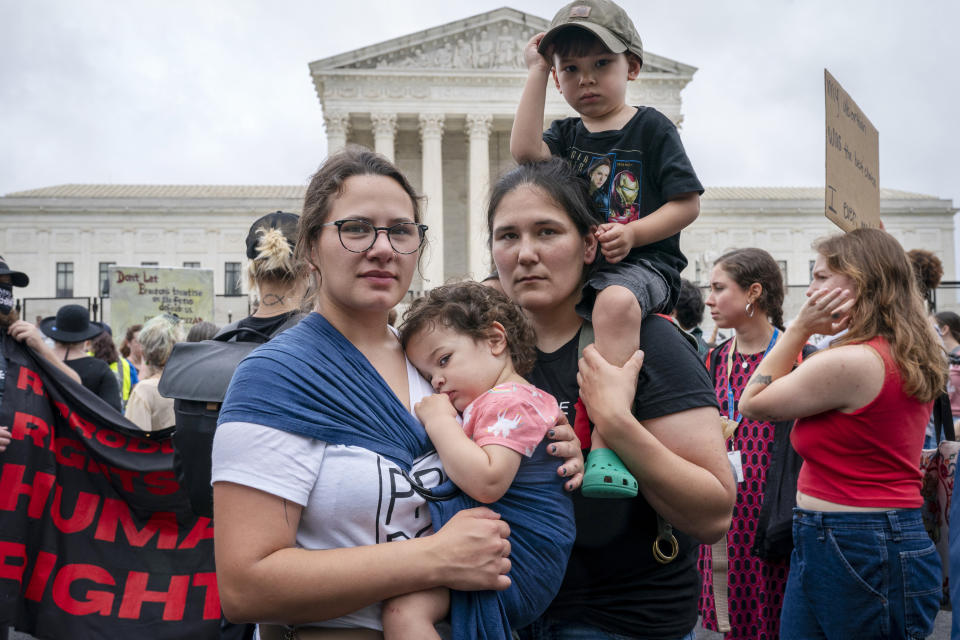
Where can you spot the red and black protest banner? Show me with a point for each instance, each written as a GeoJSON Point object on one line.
{"type": "Point", "coordinates": [97, 540]}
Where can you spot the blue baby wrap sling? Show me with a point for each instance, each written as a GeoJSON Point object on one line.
{"type": "Point", "coordinates": [312, 381]}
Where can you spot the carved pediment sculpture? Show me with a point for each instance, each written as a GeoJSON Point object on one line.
{"type": "Point", "coordinates": [491, 41]}
{"type": "Point", "coordinates": [492, 46]}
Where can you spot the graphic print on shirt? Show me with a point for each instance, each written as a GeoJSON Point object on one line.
{"type": "Point", "coordinates": [504, 425]}
{"type": "Point", "coordinates": [401, 511]}
{"type": "Point", "coordinates": [614, 181]}
{"type": "Point", "coordinates": [512, 415]}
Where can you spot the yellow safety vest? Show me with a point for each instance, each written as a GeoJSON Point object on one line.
{"type": "Point", "coordinates": [125, 379]}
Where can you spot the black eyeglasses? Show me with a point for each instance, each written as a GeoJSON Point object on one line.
{"type": "Point", "coordinates": [359, 235]}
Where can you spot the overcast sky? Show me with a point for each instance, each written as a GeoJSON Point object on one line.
{"type": "Point", "coordinates": [218, 92]}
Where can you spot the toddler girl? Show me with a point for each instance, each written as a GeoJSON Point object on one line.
{"type": "Point", "coordinates": [471, 343]}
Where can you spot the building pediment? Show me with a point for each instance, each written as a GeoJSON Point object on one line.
{"type": "Point", "coordinates": [491, 41]}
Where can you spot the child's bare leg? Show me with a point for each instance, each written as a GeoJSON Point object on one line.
{"type": "Point", "coordinates": [412, 616]}
{"type": "Point", "coordinates": [617, 318]}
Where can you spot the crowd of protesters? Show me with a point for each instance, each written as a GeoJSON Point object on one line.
{"type": "Point", "coordinates": [764, 595]}
{"type": "Point", "coordinates": [842, 495]}
{"type": "Point", "coordinates": [566, 457]}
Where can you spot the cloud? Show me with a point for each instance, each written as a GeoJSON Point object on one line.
{"type": "Point", "coordinates": [219, 92]}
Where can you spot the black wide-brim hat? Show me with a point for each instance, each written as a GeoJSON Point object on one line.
{"type": "Point", "coordinates": [17, 278]}
{"type": "Point", "coordinates": [71, 324]}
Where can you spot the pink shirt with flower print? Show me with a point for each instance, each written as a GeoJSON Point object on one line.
{"type": "Point", "coordinates": [513, 415]}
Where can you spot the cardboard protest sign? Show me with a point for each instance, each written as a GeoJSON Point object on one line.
{"type": "Point", "coordinates": [140, 293]}
{"type": "Point", "coordinates": [853, 161]}
{"type": "Point", "coordinates": [97, 539]}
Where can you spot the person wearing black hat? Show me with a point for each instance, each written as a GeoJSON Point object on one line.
{"type": "Point", "coordinates": [21, 330]}
{"type": "Point", "coordinates": [70, 330]}
{"type": "Point", "coordinates": [8, 280]}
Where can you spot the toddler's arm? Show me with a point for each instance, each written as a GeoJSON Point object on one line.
{"type": "Point", "coordinates": [616, 240]}
{"type": "Point", "coordinates": [526, 138]}
{"type": "Point", "coordinates": [484, 473]}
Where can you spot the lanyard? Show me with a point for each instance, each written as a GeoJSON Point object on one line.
{"type": "Point", "coordinates": [731, 413]}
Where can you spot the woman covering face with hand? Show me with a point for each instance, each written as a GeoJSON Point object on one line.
{"type": "Point", "coordinates": [318, 458]}
{"type": "Point", "coordinates": [661, 419]}
{"type": "Point", "coordinates": [862, 565]}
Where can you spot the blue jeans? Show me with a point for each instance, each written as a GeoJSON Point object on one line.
{"type": "Point", "coordinates": [861, 575]}
{"type": "Point", "coordinates": [552, 629]}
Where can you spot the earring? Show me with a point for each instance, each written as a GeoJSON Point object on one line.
{"type": "Point", "coordinates": [749, 309]}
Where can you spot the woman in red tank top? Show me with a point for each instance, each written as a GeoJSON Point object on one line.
{"type": "Point", "coordinates": [862, 564]}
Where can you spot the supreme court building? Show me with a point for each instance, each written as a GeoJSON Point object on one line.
{"type": "Point", "coordinates": [440, 104]}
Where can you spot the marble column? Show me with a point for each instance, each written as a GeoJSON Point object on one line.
{"type": "Point", "coordinates": [337, 124]}
{"type": "Point", "coordinates": [478, 183]}
{"type": "Point", "coordinates": [84, 275]}
{"type": "Point", "coordinates": [384, 132]}
{"type": "Point", "coordinates": [431, 136]}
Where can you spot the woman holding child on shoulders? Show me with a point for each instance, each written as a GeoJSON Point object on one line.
{"type": "Point", "coordinates": [656, 442]}
{"type": "Point", "coordinates": [650, 193]}
{"type": "Point", "coordinates": [661, 419]}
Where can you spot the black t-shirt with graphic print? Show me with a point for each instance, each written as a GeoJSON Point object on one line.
{"type": "Point", "coordinates": [632, 172]}
{"type": "Point", "coordinates": [612, 580]}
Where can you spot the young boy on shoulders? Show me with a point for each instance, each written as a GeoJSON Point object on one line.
{"type": "Point", "coordinates": [641, 180]}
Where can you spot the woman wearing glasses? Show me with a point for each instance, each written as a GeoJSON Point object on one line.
{"type": "Point", "coordinates": [318, 458]}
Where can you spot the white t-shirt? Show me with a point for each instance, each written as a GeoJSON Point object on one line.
{"type": "Point", "coordinates": [351, 496]}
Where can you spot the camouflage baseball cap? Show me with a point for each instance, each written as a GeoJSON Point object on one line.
{"type": "Point", "coordinates": [605, 19]}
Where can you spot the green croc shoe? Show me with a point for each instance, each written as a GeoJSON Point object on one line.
{"type": "Point", "coordinates": [607, 477]}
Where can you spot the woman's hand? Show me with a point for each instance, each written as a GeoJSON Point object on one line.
{"type": "Point", "coordinates": [534, 60]}
{"type": "Point", "coordinates": [825, 312]}
{"type": "Point", "coordinates": [607, 391]}
{"type": "Point", "coordinates": [435, 407]}
{"type": "Point", "coordinates": [473, 551]}
{"type": "Point", "coordinates": [566, 445]}
{"type": "Point", "coordinates": [5, 438]}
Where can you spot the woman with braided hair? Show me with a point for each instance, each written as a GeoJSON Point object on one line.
{"type": "Point", "coordinates": [746, 294]}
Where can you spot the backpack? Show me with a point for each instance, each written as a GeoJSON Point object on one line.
{"type": "Point", "coordinates": [196, 376]}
